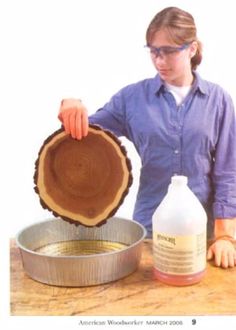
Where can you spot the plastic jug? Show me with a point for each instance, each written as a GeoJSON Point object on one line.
{"type": "Point", "coordinates": [179, 236]}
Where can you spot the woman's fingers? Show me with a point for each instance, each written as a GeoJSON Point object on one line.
{"type": "Point", "coordinates": [218, 257]}
{"type": "Point", "coordinates": [85, 123]}
{"type": "Point", "coordinates": [65, 118]}
{"type": "Point", "coordinates": [224, 259]}
{"type": "Point", "coordinates": [210, 253]}
{"type": "Point", "coordinates": [78, 129]}
{"type": "Point", "coordinates": [231, 258]}
{"type": "Point", "coordinates": [72, 123]}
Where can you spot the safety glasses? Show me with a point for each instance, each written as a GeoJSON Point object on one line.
{"type": "Point", "coordinates": [166, 51]}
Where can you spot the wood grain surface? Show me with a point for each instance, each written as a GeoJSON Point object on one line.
{"type": "Point", "coordinates": [137, 294]}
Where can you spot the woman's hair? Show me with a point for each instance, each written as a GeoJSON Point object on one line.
{"type": "Point", "coordinates": [181, 28]}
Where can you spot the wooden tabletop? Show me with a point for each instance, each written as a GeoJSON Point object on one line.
{"type": "Point", "coordinates": [137, 294]}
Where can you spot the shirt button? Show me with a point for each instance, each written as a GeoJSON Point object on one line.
{"type": "Point", "coordinates": [176, 151]}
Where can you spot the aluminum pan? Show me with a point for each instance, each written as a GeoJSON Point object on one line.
{"type": "Point", "coordinates": [82, 270]}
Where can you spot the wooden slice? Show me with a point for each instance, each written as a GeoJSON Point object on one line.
{"type": "Point", "coordinates": [82, 181]}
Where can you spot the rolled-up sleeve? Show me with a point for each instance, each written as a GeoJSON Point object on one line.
{"type": "Point", "coordinates": [224, 171]}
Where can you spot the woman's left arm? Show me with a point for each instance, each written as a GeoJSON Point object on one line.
{"type": "Point", "coordinates": [224, 161]}
{"type": "Point", "coordinates": [224, 181]}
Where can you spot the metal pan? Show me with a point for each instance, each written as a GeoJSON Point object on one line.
{"type": "Point", "coordinates": [58, 253]}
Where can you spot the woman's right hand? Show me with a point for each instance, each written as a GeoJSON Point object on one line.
{"type": "Point", "coordinates": [74, 117]}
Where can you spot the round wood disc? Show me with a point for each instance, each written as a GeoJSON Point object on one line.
{"type": "Point", "coordinates": [83, 181]}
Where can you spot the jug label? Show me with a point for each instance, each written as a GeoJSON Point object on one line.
{"type": "Point", "coordinates": [179, 255]}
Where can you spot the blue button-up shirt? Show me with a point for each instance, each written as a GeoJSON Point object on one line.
{"type": "Point", "coordinates": [196, 139]}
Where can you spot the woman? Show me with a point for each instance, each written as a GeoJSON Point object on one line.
{"type": "Point", "coordinates": [179, 124]}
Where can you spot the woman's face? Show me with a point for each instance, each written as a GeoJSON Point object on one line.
{"type": "Point", "coordinates": [173, 67]}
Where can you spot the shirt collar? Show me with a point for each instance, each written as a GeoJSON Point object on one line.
{"type": "Point", "coordinates": [199, 84]}
{"type": "Point", "coordinates": [158, 84]}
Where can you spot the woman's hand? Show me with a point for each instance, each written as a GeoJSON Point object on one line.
{"type": "Point", "coordinates": [223, 252]}
{"type": "Point", "coordinates": [74, 117]}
